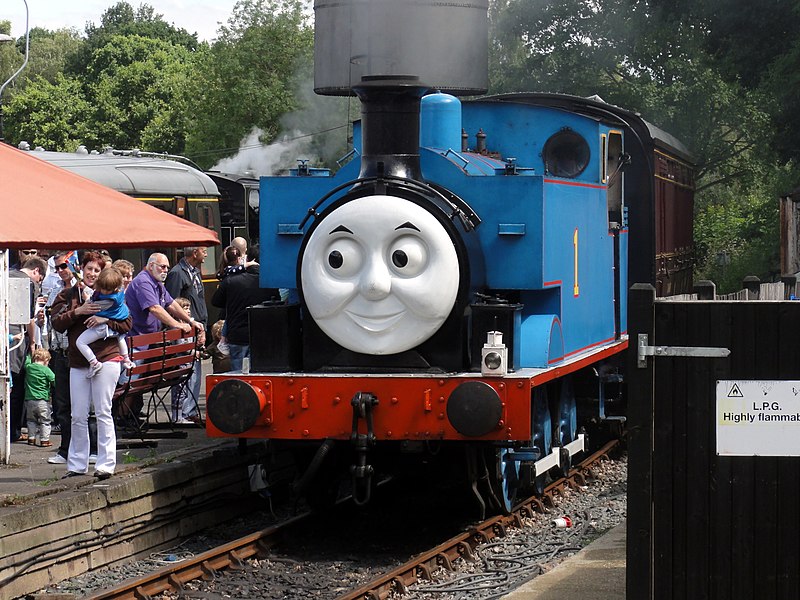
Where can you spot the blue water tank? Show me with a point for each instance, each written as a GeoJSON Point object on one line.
{"type": "Point", "coordinates": [440, 122]}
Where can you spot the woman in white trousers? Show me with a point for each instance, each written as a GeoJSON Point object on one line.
{"type": "Point", "coordinates": [73, 313]}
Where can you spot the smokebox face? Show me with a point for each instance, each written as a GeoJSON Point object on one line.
{"type": "Point", "coordinates": [445, 46]}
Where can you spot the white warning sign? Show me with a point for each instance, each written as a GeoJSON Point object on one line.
{"type": "Point", "coordinates": [758, 418]}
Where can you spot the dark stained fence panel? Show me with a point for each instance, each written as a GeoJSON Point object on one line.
{"type": "Point", "coordinates": [702, 526]}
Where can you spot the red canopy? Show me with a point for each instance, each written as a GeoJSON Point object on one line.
{"type": "Point", "coordinates": [45, 206]}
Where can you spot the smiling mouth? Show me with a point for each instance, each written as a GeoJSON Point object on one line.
{"type": "Point", "coordinates": [375, 324]}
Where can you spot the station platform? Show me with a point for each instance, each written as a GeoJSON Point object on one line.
{"type": "Point", "coordinates": [597, 572]}
{"type": "Point", "coordinates": [30, 476]}
{"type": "Point", "coordinates": [164, 488]}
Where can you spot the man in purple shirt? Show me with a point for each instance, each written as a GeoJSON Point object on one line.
{"type": "Point", "coordinates": [152, 308]}
{"type": "Point", "coordinates": [151, 305]}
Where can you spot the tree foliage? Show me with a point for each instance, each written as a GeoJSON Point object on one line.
{"type": "Point", "coordinates": [48, 114]}
{"type": "Point", "coordinates": [136, 87]}
{"type": "Point", "coordinates": [123, 20]}
{"type": "Point", "coordinates": [248, 75]}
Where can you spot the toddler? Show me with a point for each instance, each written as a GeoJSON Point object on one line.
{"type": "Point", "coordinates": [39, 379]}
{"type": "Point", "coordinates": [109, 295]}
{"type": "Point", "coordinates": [181, 394]}
{"type": "Point", "coordinates": [221, 361]}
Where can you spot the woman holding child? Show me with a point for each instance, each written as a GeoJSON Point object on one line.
{"type": "Point", "coordinates": [73, 312]}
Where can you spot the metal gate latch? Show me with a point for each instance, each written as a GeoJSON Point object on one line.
{"type": "Point", "coordinates": [694, 351]}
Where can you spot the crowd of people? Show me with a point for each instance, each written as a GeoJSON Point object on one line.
{"type": "Point", "coordinates": [67, 361]}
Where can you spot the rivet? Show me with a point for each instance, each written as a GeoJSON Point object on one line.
{"type": "Point", "coordinates": [395, 400]}
{"type": "Point", "coordinates": [305, 432]}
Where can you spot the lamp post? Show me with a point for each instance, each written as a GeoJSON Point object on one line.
{"type": "Point", "coordinates": [7, 38]}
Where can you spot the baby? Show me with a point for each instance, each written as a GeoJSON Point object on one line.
{"type": "Point", "coordinates": [109, 295]}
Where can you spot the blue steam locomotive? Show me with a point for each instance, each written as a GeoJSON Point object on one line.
{"type": "Point", "coordinates": [462, 286]}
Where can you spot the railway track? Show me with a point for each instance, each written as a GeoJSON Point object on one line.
{"type": "Point", "coordinates": [464, 545]}
{"type": "Point", "coordinates": [231, 556]}
{"type": "Point", "coordinates": [206, 566]}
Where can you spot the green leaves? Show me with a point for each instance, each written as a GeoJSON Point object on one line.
{"type": "Point", "coordinates": [51, 115]}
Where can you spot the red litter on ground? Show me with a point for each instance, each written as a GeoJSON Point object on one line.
{"type": "Point", "coordinates": [562, 522]}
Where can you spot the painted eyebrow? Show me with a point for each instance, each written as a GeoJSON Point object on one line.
{"type": "Point", "coordinates": [407, 225]}
{"type": "Point", "coordinates": [341, 228]}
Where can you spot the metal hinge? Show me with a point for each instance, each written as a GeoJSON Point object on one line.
{"type": "Point", "coordinates": [695, 351]}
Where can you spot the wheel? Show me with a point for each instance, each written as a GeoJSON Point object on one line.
{"type": "Point", "coordinates": [567, 421]}
{"type": "Point", "coordinates": [542, 433]}
{"type": "Point", "coordinates": [505, 479]}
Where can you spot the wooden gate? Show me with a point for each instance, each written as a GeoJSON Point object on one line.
{"type": "Point", "coordinates": [702, 526]}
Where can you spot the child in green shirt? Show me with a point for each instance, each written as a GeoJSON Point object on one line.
{"type": "Point", "coordinates": [39, 379]}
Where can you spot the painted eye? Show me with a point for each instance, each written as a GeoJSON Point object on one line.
{"type": "Point", "coordinates": [343, 258]}
{"type": "Point", "coordinates": [335, 259]}
{"type": "Point", "coordinates": [399, 259]}
{"type": "Point", "coordinates": [409, 256]}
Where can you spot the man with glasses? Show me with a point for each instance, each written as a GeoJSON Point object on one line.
{"type": "Point", "coordinates": [153, 308]}
{"type": "Point", "coordinates": [151, 305]}
{"type": "Point", "coordinates": [22, 256]}
{"type": "Point", "coordinates": [34, 268]}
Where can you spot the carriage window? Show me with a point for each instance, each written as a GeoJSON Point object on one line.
{"type": "Point", "coordinates": [205, 218]}
{"type": "Point", "coordinates": [614, 161]}
{"type": "Point", "coordinates": [566, 154]}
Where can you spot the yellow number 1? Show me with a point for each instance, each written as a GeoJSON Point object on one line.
{"type": "Point", "coordinates": [575, 288]}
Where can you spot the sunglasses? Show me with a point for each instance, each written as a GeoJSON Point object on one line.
{"type": "Point", "coordinates": [29, 252]}
{"type": "Point", "coordinates": [62, 266]}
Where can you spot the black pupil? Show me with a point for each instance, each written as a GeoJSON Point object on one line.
{"type": "Point", "coordinates": [399, 259]}
{"type": "Point", "coordinates": [335, 259]}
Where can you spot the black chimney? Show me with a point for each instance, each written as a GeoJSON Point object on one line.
{"type": "Point", "coordinates": [390, 125]}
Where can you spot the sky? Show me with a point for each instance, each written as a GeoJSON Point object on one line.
{"type": "Point", "coordinates": [196, 16]}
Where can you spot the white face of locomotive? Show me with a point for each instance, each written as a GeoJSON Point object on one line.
{"type": "Point", "coordinates": [380, 275]}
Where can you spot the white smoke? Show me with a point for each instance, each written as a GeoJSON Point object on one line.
{"type": "Point", "coordinates": [316, 132]}
{"type": "Point", "coordinates": [267, 159]}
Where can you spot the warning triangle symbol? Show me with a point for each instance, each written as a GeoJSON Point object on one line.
{"type": "Point", "coordinates": [735, 392]}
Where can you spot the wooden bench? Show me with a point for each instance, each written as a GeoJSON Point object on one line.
{"type": "Point", "coordinates": [167, 359]}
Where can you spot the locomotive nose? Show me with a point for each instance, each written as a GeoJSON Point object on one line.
{"type": "Point", "coordinates": [376, 282]}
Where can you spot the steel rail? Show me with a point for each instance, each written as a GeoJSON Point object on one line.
{"type": "Point", "coordinates": [464, 544]}
{"type": "Point", "coordinates": [204, 566]}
